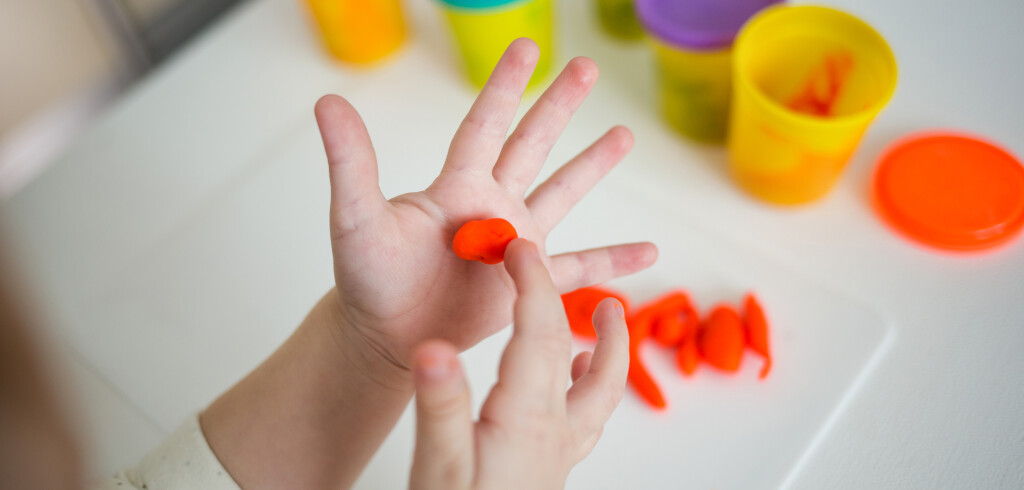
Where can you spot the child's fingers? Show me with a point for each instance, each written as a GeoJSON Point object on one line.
{"type": "Point", "coordinates": [355, 192]}
{"type": "Point", "coordinates": [580, 364]}
{"type": "Point", "coordinates": [575, 270]}
{"type": "Point", "coordinates": [534, 369]}
{"type": "Point", "coordinates": [553, 199]}
{"type": "Point", "coordinates": [478, 140]}
{"type": "Point", "coordinates": [528, 146]}
{"type": "Point", "coordinates": [444, 426]}
{"type": "Point", "coordinates": [595, 395]}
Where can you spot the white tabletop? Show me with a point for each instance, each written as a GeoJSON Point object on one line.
{"type": "Point", "coordinates": [180, 240]}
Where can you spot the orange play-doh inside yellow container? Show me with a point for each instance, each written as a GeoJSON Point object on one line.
{"type": "Point", "coordinates": [807, 82]}
{"type": "Point", "coordinates": [360, 31]}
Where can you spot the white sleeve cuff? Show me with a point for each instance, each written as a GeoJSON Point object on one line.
{"type": "Point", "coordinates": [182, 461]}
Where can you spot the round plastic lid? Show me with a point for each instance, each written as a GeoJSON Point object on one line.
{"type": "Point", "coordinates": [697, 24]}
{"type": "Point", "coordinates": [951, 191]}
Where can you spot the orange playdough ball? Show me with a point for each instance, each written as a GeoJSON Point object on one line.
{"type": "Point", "coordinates": [484, 240]}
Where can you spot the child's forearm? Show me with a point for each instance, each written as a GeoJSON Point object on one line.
{"type": "Point", "coordinates": [312, 414]}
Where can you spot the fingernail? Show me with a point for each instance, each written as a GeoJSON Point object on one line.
{"type": "Point", "coordinates": [434, 368]}
{"type": "Point", "coordinates": [619, 309]}
{"type": "Point", "coordinates": [530, 249]}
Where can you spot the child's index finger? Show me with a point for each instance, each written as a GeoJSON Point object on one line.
{"type": "Point", "coordinates": [538, 306]}
{"type": "Point", "coordinates": [532, 278]}
{"type": "Point", "coordinates": [537, 357]}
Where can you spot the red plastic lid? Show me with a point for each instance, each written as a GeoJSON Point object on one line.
{"type": "Point", "coordinates": [951, 191]}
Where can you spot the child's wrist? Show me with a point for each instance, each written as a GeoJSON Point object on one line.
{"type": "Point", "coordinates": [357, 351]}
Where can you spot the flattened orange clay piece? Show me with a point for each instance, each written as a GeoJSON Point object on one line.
{"type": "Point", "coordinates": [642, 382]}
{"type": "Point", "coordinates": [722, 338]}
{"type": "Point", "coordinates": [756, 326]}
{"type": "Point", "coordinates": [580, 305]}
{"type": "Point", "coordinates": [484, 240]}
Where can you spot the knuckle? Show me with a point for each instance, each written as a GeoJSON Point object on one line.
{"type": "Point", "coordinates": [564, 189]}
{"type": "Point", "coordinates": [541, 432]}
{"type": "Point", "coordinates": [583, 270]}
{"type": "Point", "coordinates": [444, 406]}
{"type": "Point", "coordinates": [344, 224]}
{"type": "Point", "coordinates": [616, 390]}
{"type": "Point", "coordinates": [453, 470]}
{"type": "Point", "coordinates": [483, 125]}
{"type": "Point", "coordinates": [452, 476]}
{"type": "Point", "coordinates": [553, 342]}
{"type": "Point", "coordinates": [448, 470]}
{"type": "Point", "coordinates": [563, 103]}
{"type": "Point", "coordinates": [528, 138]}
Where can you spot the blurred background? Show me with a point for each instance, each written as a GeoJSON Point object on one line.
{"type": "Point", "coordinates": [141, 236]}
{"type": "Point", "coordinates": [63, 60]}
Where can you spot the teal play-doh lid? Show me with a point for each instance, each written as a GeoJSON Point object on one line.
{"type": "Point", "coordinates": [478, 4]}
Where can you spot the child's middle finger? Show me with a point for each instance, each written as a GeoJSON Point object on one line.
{"type": "Point", "coordinates": [527, 148]}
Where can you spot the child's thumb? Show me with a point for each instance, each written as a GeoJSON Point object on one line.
{"type": "Point", "coordinates": [444, 423]}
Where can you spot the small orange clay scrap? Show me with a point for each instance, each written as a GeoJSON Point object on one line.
{"type": "Point", "coordinates": [672, 321]}
{"type": "Point", "coordinates": [757, 331]}
{"type": "Point", "coordinates": [687, 356]}
{"type": "Point", "coordinates": [484, 240]}
{"type": "Point", "coordinates": [721, 339]}
{"type": "Point", "coordinates": [638, 376]}
{"type": "Point", "coordinates": [580, 305]}
{"type": "Point", "coordinates": [819, 96]}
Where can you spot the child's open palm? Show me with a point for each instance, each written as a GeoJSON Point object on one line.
{"type": "Point", "coordinates": [398, 281]}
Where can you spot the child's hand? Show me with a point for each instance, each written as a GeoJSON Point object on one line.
{"type": "Point", "coordinates": [531, 431]}
{"type": "Point", "coordinates": [398, 281]}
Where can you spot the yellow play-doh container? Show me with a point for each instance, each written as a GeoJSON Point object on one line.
{"type": "Point", "coordinates": [618, 19]}
{"type": "Point", "coordinates": [692, 45]}
{"type": "Point", "coordinates": [807, 82]}
{"type": "Point", "coordinates": [483, 29]}
{"type": "Point", "coordinates": [360, 31]}
{"type": "Point", "coordinates": [694, 90]}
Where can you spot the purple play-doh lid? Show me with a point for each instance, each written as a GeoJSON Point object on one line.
{"type": "Point", "coordinates": [697, 24]}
